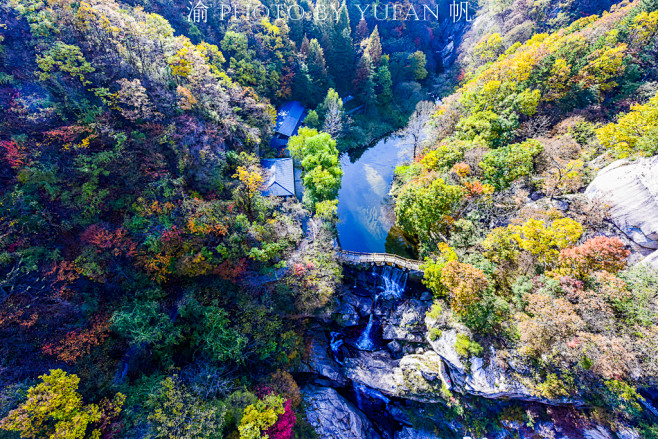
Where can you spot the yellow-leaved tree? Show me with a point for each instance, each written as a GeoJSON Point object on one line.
{"type": "Point", "coordinates": [54, 409]}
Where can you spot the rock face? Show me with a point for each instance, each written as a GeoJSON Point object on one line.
{"type": "Point", "coordinates": [418, 377]}
{"type": "Point", "coordinates": [406, 322]}
{"type": "Point", "coordinates": [630, 189]}
{"type": "Point", "coordinates": [320, 361]}
{"type": "Point", "coordinates": [493, 380]}
{"type": "Point", "coordinates": [410, 433]}
{"type": "Point", "coordinates": [373, 369]}
{"type": "Point", "coordinates": [333, 417]}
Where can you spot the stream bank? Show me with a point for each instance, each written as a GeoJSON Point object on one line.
{"type": "Point", "coordinates": [372, 373]}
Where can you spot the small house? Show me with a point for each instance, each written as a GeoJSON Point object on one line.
{"type": "Point", "coordinates": [279, 178]}
{"type": "Point", "coordinates": [288, 119]}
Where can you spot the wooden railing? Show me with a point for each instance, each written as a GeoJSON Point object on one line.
{"type": "Point", "coordinates": [378, 258]}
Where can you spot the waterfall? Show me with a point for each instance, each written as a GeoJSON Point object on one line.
{"type": "Point", "coordinates": [392, 283]}
{"type": "Point", "coordinates": [335, 343]}
{"type": "Point", "coordinates": [365, 342]}
{"type": "Point", "coordinates": [395, 281]}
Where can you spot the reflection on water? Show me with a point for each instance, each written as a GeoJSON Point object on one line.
{"type": "Point", "coordinates": [365, 209]}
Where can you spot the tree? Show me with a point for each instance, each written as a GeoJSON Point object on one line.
{"type": "Point", "coordinates": [465, 284]}
{"type": "Point", "coordinates": [417, 63]}
{"type": "Point", "coordinates": [384, 82]}
{"type": "Point", "coordinates": [504, 165]}
{"type": "Point", "coordinates": [65, 58]}
{"type": "Point", "coordinates": [343, 54]}
{"type": "Point", "coordinates": [333, 114]}
{"type": "Point", "coordinates": [133, 102]}
{"type": "Point", "coordinates": [175, 413]}
{"type": "Point", "coordinates": [216, 336]}
{"type": "Point", "coordinates": [312, 120]}
{"type": "Point", "coordinates": [317, 70]}
{"type": "Point", "coordinates": [361, 30]}
{"type": "Point", "coordinates": [317, 153]}
{"type": "Point", "coordinates": [433, 269]}
{"type": "Point", "coordinates": [262, 415]}
{"type": "Point", "coordinates": [54, 409]}
{"type": "Point", "coordinates": [604, 65]}
{"type": "Point", "coordinates": [552, 323]}
{"type": "Point", "coordinates": [635, 132]}
{"type": "Point", "coordinates": [423, 207]}
{"type": "Point", "coordinates": [489, 47]}
{"type": "Point", "coordinates": [417, 122]}
{"type": "Point", "coordinates": [364, 83]}
{"type": "Point", "coordinates": [595, 254]}
{"type": "Point", "coordinates": [545, 241]}
{"type": "Point", "coordinates": [374, 47]}
{"type": "Point", "coordinates": [251, 178]}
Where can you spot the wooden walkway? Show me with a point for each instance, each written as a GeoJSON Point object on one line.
{"type": "Point", "coordinates": [378, 259]}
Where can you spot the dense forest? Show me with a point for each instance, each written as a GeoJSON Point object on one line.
{"type": "Point", "coordinates": [149, 289]}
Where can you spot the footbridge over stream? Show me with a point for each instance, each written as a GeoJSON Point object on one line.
{"type": "Point", "coordinates": [358, 258]}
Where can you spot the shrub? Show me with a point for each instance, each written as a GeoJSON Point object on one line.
{"type": "Point", "coordinates": [595, 254]}
{"type": "Point", "coordinates": [504, 165]}
{"type": "Point", "coordinates": [465, 347]}
{"type": "Point", "coordinates": [466, 285]}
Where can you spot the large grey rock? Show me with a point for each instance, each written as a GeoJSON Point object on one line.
{"type": "Point", "coordinates": [630, 189]}
{"type": "Point", "coordinates": [320, 361]}
{"type": "Point", "coordinates": [597, 432]}
{"type": "Point", "coordinates": [494, 380]}
{"type": "Point", "coordinates": [626, 432]}
{"type": "Point", "coordinates": [373, 369]}
{"type": "Point", "coordinates": [333, 417]}
{"type": "Point", "coordinates": [652, 259]}
{"type": "Point", "coordinates": [419, 377]}
{"type": "Point", "coordinates": [410, 433]}
{"type": "Point", "coordinates": [406, 322]}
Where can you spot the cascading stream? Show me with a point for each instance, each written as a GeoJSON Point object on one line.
{"type": "Point", "coordinates": [389, 284]}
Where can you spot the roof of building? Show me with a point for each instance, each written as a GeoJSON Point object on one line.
{"type": "Point", "coordinates": [288, 118]}
{"type": "Point", "coordinates": [279, 177]}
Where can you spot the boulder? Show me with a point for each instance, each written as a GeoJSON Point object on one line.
{"type": "Point", "coordinates": [416, 377]}
{"type": "Point", "coordinates": [626, 432]}
{"type": "Point", "coordinates": [406, 322]}
{"type": "Point", "coordinates": [652, 259]}
{"type": "Point", "coordinates": [352, 308]}
{"type": "Point", "coordinates": [410, 433]}
{"type": "Point", "coordinates": [630, 189]}
{"type": "Point", "coordinates": [373, 369]}
{"type": "Point", "coordinates": [320, 361]}
{"type": "Point", "coordinates": [333, 417]}
{"type": "Point", "coordinates": [598, 432]}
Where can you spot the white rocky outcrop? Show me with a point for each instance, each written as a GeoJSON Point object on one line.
{"type": "Point", "coordinates": [630, 190]}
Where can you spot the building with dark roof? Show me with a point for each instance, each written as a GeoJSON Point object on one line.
{"type": "Point", "coordinates": [288, 119]}
{"type": "Point", "coordinates": [279, 178]}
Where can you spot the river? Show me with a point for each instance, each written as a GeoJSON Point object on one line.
{"type": "Point", "coordinates": [365, 208]}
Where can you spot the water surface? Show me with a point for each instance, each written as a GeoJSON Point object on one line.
{"type": "Point", "coordinates": [365, 209]}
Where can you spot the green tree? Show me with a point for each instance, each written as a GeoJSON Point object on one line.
{"type": "Point", "coordinates": [317, 153]}
{"type": "Point", "coordinates": [342, 64]}
{"type": "Point", "coordinates": [364, 82]}
{"type": "Point", "coordinates": [317, 70]}
{"type": "Point", "coordinates": [217, 337]}
{"type": "Point", "coordinates": [422, 208]}
{"type": "Point", "coordinates": [504, 165]}
{"type": "Point", "coordinates": [417, 64]}
{"type": "Point", "coordinates": [384, 82]}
